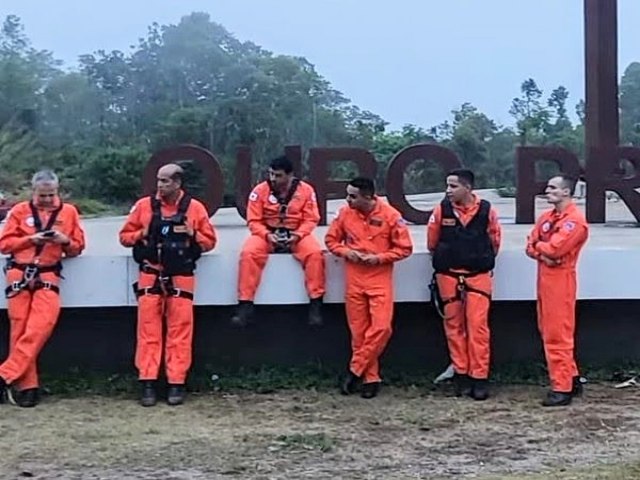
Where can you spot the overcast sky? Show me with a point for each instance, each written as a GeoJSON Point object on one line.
{"type": "Point", "coordinates": [410, 61]}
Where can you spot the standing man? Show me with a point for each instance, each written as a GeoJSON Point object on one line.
{"type": "Point", "coordinates": [370, 235]}
{"type": "Point", "coordinates": [168, 231]}
{"type": "Point", "coordinates": [282, 214]}
{"type": "Point", "coordinates": [38, 234]}
{"type": "Point", "coordinates": [463, 236]}
{"type": "Point", "coordinates": [555, 243]}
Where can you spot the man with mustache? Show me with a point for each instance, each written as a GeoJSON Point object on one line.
{"type": "Point", "coordinates": [282, 213]}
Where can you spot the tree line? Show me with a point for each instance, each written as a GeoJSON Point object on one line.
{"type": "Point", "coordinates": [194, 82]}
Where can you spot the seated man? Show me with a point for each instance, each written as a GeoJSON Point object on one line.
{"type": "Point", "coordinates": [281, 214]}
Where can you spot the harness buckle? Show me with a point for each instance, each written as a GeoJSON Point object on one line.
{"type": "Point", "coordinates": [16, 286]}
{"type": "Point", "coordinates": [176, 292]}
{"type": "Point", "coordinates": [47, 285]}
{"type": "Point", "coordinates": [30, 273]}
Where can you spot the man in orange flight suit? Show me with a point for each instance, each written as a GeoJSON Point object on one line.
{"type": "Point", "coordinates": [38, 234]}
{"type": "Point", "coordinates": [370, 235]}
{"type": "Point", "coordinates": [168, 232]}
{"type": "Point", "coordinates": [555, 242]}
{"type": "Point", "coordinates": [281, 214]}
{"type": "Point", "coordinates": [464, 235]}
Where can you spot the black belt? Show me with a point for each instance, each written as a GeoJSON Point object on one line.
{"type": "Point", "coordinates": [163, 285]}
{"type": "Point", "coordinates": [55, 268]}
{"type": "Point", "coordinates": [16, 287]}
{"type": "Point", "coordinates": [462, 286]}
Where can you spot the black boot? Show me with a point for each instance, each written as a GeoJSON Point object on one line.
{"type": "Point", "coordinates": [175, 395]}
{"type": "Point", "coordinates": [557, 399]}
{"type": "Point", "coordinates": [28, 398]}
{"type": "Point", "coordinates": [461, 384]}
{"type": "Point", "coordinates": [315, 312]}
{"type": "Point", "coordinates": [148, 397]}
{"type": "Point", "coordinates": [4, 391]}
{"type": "Point", "coordinates": [578, 387]}
{"type": "Point", "coordinates": [349, 384]}
{"type": "Point", "coordinates": [244, 314]}
{"type": "Point", "coordinates": [479, 389]}
{"type": "Point", "coordinates": [370, 390]}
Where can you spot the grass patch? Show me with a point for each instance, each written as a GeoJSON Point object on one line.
{"type": "Point", "coordinates": [604, 472]}
{"type": "Point", "coordinates": [272, 378]}
{"type": "Point", "coordinates": [304, 441]}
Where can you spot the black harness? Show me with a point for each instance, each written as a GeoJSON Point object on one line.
{"type": "Point", "coordinates": [31, 271]}
{"type": "Point", "coordinates": [462, 288]}
{"type": "Point", "coordinates": [282, 232]}
{"type": "Point", "coordinates": [169, 246]}
{"type": "Point", "coordinates": [163, 285]}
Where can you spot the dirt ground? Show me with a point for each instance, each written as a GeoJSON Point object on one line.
{"type": "Point", "coordinates": [402, 434]}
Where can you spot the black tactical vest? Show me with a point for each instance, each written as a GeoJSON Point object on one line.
{"type": "Point", "coordinates": [464, 247]}
{"type": "Point", "coordinates": [168, 243]}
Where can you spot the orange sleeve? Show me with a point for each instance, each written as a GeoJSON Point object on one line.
{"type": "Point", "coordinates": [205, 234]}
{"type": "Point", "coordinates": [570, 234]}
{"type": "Point", "coordinates": [401, 243]}
{"type": "Point", "coordinates": [334, 238]}
{"type": "Point", "coordinates": [494, 230]}
{"type": "Point", "coordinates": [532, 239]}
{"type": "Point", "coordinates": [11, 240]}
{"type": "Point", "coordinates": [433, 229]}
{"type": "Point", "coordinates": [77, 240]}
{"type": "Point", "coordinates": [310, 214]}
{"type": "Point", "coordinates": [133, 229]}
{"type": "Point", "coordinates": [254, 213]}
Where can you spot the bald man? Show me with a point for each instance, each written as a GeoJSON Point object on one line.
{"type": "Point", "coordinates": [168, 232]}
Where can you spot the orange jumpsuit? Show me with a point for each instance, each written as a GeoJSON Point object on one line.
{"type": "Point", "coordinates": [33, 314]}
{"type": "Point", "coordinates": [369, 288]}
{"type": "Point", "coordinates": [301, 218]}
{"type": "Point", "coordinates": [466, 324]}
{"type": "Point", "coordinates": [560, 237]}
{"type": "Point", "coordinates": [152, 307]}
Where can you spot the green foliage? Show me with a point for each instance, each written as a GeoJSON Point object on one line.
{"type": "Point", "coordinates": [194, 82]}
{"type": "Point", "coordinates": [272, 378]}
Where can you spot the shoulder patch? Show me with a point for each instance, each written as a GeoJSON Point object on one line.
{"type": "Point", "coordinates": [569, 225]}
{"type": "Point", "coordinates": [253, 196]}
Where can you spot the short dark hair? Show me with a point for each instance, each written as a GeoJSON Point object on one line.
{"type": "Point", "coordinates": [281, 163]}
{"type": "Point", "coordinates": [465, 176]}
{"type": "Point", "coordinates": [366, 186]}
{"type": "Point", "coordinates": [568, 181]}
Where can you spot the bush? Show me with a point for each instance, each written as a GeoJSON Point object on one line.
{"type": "Point", "coordinates": [507, 192]}
{"type": "Point", "coordinates": [90, 206]}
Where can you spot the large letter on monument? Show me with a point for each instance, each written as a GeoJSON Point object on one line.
{"type": "Point", "coordinates": [444, 157]}
{"type": "Point", "coordinates": [319, 159]}
{"type": "Point", "coordinates": [604, 173]}
{"type": "Point", "coordinates": [244, 182]}
{"type": "Point", "coordinates": [209, 164]}
{"type": "Point", "coordinates": [527, 185]}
